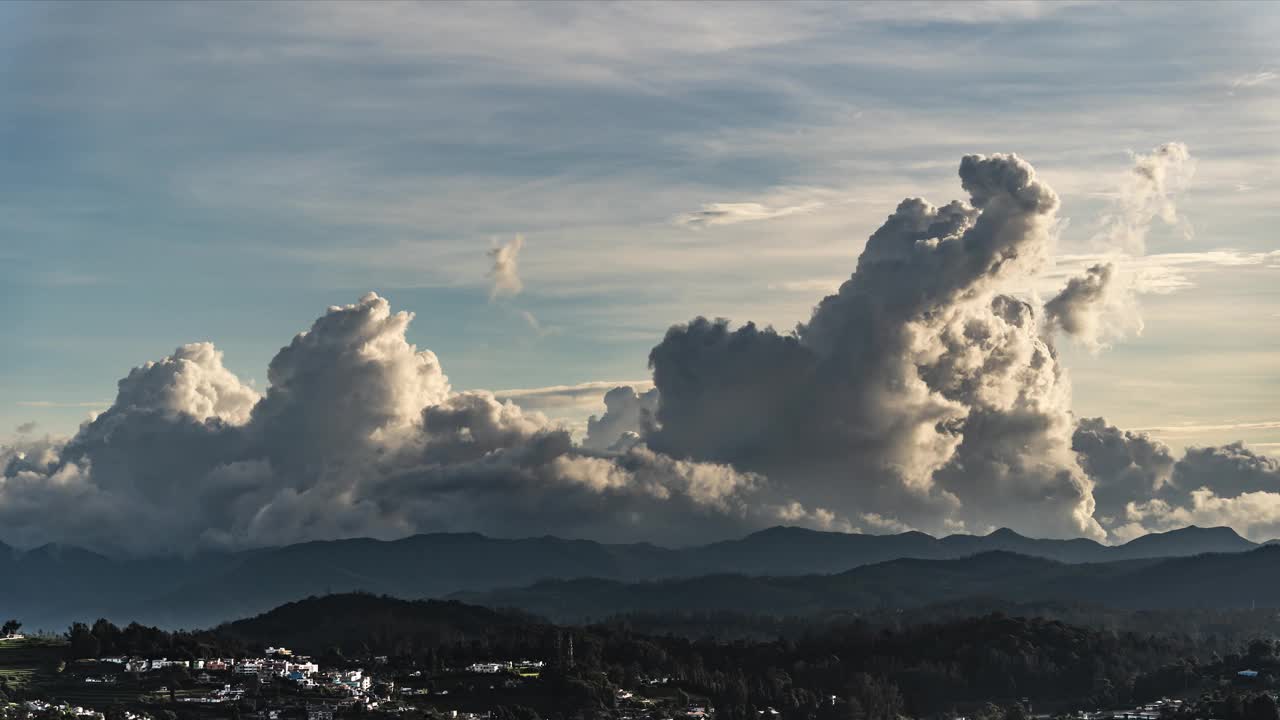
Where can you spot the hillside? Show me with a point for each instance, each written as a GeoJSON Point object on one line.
{"type": "Point", "coordinates": [51, 586]}
{"type": "Point", "coordinates": [354, 622]}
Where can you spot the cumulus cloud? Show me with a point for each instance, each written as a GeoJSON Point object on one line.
{"type": "Point", "coordinates": [917, 394]}
{"type": "Point", "coordinates": [560, 398]}
{"type": "Point", "coordinates": [193, 382]}
{"type": "Point", "coordinates": [26, 428]}
{"type": "Point", "coordinates": [1140, 488]}
{"type": "Point", "coordinates": [1077, 310]}
{"type": "Point", "coordinates": [713, 214]}
{"type": "Point", "coordinates": [1255, 515]}
{"type": "Point", "coordinates": [504, 273]}
{"type": "Point", "coordinates": [626, 414]}
{"type": "Point", "coordinates": [358, 434]}
{"type": "Point", "coordinates": [1100, 304]}
{"type": "Point", "coordinates": [1126, 467]}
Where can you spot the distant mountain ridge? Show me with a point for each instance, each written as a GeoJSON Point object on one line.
{"type": "Point", "coordinates": [48, 587]}
{"type": "Point", "coordinates": [1207, 581]}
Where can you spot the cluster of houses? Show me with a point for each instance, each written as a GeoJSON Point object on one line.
{"type": "Point", "coordinates": [33, 709]}
{"type": "Point", "coordinates": [225, 682]}
{"type": "Point", "coordinates": [277, 663]}
{"type": "Point", "coordinates": [274, 664]}
{"type": "Point", "coordinates": [523, 668]}
{"type": "Point", "coordinates": [1151, 711]}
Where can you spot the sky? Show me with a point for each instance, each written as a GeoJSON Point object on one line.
{"type": "Point", "coordinates": [549, 187]}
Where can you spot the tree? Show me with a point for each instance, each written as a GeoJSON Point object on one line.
{"type": "Point", "coordinates": [1262, 707]}
{"type": "Point", "coordinates": [10, 627]}
{"type": "Point", "coordinates": [1261, 650]}
{"type": "Point", "coordinates": [82, 641]}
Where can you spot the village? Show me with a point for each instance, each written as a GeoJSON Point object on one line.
{"type": "Point", "coordinates": [282, 685]}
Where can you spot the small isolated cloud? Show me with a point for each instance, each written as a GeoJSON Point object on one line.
{"type": "Point", "coordinates": [504, 274]}
{"type": "Point", "coordinates": [1149, 191]}
{"type": "Point", "coordinates": [1077, 309]}
{"type": "Point", "coordinates": [713, 214]}
{"type": "Point", "coordinates": [26, 428]}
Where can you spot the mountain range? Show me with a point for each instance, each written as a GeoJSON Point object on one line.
{"type": "Point", "coordinates": [50, 586]}
{"type": "Point", "coordinates": [1209, 581]}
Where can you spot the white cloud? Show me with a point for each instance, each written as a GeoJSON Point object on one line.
{"type": "Point", "coordinates": [915, 392]}
{"type": "Point", "coordinates": [1255, 515]}
{"type": "Point", "coordinates": [58, 404]}
{"type": "Point", "coordinates": [1197, 428]}
{"type": "Point", "coordinates": [1159, 273]}
{"type": "Point", "coordinates": [582, 396]}
{"type": "Point", "coordinates": [1254, 78]}
{"type": "Point", "coordinates": [713, 214]}
{"type": "Point", "coordinates": [358, 433]}
{"type": "Point", "coordinates": [505, 270]}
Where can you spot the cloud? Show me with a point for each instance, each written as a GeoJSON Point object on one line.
{"type": "Point", "coordinates": [917, 393]}
{"type": "Point", "coordinates": [193, 382]}
{"type": "Point", "coordinates": [627, 414]}
{"type": "Point", "coordinates": [1148, 192]}
{"type": "Point", "coordinates": [713, 214]}
{"type": "Point", "coordinates": [1211, 427]}
{"type": "Point", "coordinates": [810, 286]}
{"type": "Point", "coordinates": [1254, 78]}
{"type": "Point", "coordinates": [54, 404]}
{"type": "Point", "coordinates": [1125, 466]}
{"type": "Point", "coordinates": [1162, 273]}
{"type": "Point", "coordinates": [359, 433]}
{"type": "Point", "coordinates": [1076, 309]}
{"type": "Point", "coordinates": [564, 397]}
{"type": "Point", "coordinates": [505, 270]}
{"type": "Point", "coordinates": [26, 428]}
{"type": "Point", "coordinates": [1100, 305]}
{"type": "Point", "coordinates": [1140, 488]}
{"type": "Point", "coordinates": [1255, 515]}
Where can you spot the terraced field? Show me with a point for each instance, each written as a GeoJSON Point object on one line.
{"type": "Point", "coordinates": [33, 664]}
{"type": "Point", "coordinates": [28, 662]}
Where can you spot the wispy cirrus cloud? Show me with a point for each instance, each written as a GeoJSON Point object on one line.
{"type": "Point", "coordinates": [1199, 428]}
{"type": "Point", "coordinates": [59, 404]}
{"type": "Point", "coordinates": [1165, 273]}
{"type": "Point", "coordinates": [712, 214]}
{"type": "Point", "coordinates": [1254, 78]}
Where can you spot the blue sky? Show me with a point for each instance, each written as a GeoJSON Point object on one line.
{"type": "Point", "coordinates": [224, 172]}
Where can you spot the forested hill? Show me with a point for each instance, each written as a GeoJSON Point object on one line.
{"type": "Point", "coordinates": [877, 672]}
{"type": "Point", "coordinates": [355, 622]}
{"type": "Point", "coordinates": [52, 586]}
{"type": "Point", "coordinates": [1221, 580]}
